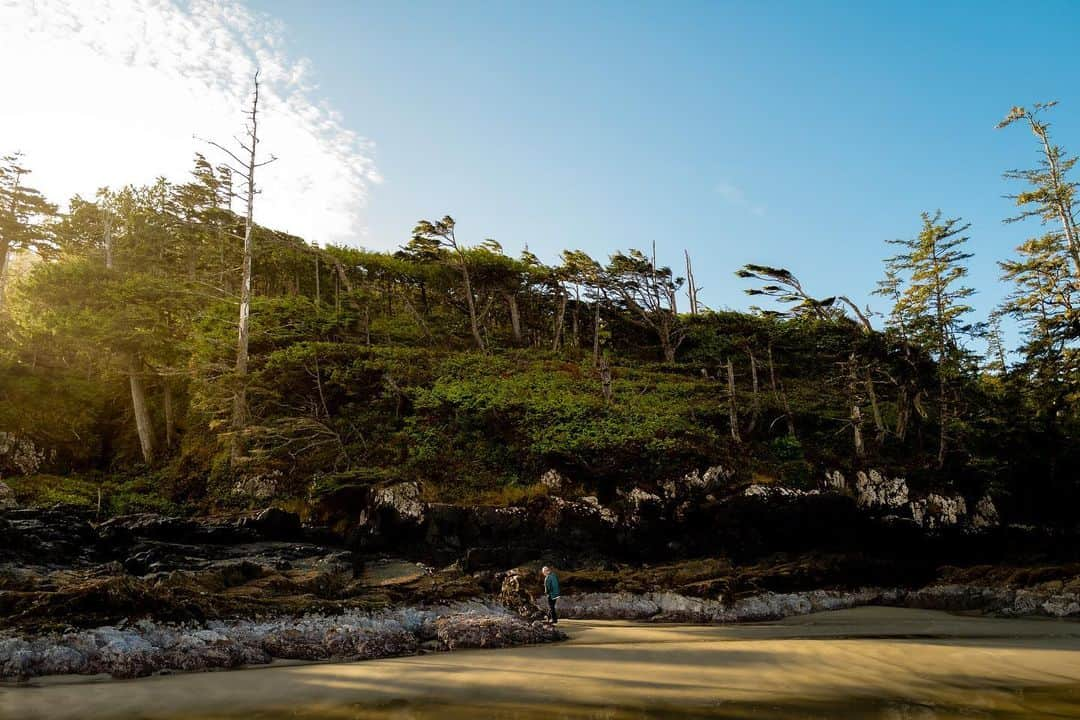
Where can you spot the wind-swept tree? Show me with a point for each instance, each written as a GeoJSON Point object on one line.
{"type": "Point", "coordinates": [1051, 194]}
{"type": "Point", "coordinates": [648, 293]}
{"type": "Point", "coordinates": [431, 237]}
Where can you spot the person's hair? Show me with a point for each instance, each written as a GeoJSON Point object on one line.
{"type": "Point", "coordinates": [545, 568]}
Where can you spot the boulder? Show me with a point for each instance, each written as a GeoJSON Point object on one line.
{"type": "Point", "coordinates": [986, 514]}
{"type": "Point", "coordinates": [19, 455]}
{"type": "Point", "coordinates": [403, 499]}
{"type": "Point", "coordinates": [554, 480]}
{"type": "Point", "coordinates": [7, 497]}
{"type": "Point", "coordinates": [875, 491]}
{"type": "Point", "coordinates": [938, 511]}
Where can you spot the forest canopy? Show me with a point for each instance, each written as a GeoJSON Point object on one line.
{"type": "Point", "coordinates": [161, 344]}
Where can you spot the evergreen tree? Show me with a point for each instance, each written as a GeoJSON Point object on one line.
{"type": "Point", "coordinates": [931, 307]}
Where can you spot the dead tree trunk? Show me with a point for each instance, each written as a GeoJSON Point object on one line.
{"type": "Point", "coordinates": [691, 286]}
{"type": "Point", "coordinates": [248, 163]}
{"type": "Point", "coordinates": [856, 410]}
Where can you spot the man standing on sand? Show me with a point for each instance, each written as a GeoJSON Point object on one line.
{"type": "Point", "coordinates": [551, 589]}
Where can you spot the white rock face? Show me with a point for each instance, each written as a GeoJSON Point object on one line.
{"type": "Point", "coordinates": [259, 487]}
{"type": "Point", "coordinates": [553, 480]}
{"type": "Point", "coordinates": [835, 481]}
{"type": "Point", "coordinates": [635, 502]}
{"type": "Point", "coordinates": [986, 514]}
{"type": "Point", "coordinates": [606, 514]}
{"type": "Point", "coordinates": [402, 497]}
{"type": "Point", "coordinates": [7, 497]}
{"type": "Point", "coordinates": [694, 482]}
{"type": "Point", "coordinates": [938, 511]}
{"type": "Point", "coordinates": [774, 491]}
{"type": "Point", "coordinates": [874, 490]}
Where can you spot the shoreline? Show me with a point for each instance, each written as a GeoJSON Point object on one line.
{"type": "Point", "coordinates": [851, 656]}
{"type": "Point", "coordinates": [147, 648]}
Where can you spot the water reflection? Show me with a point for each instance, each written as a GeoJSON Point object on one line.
{"type": "Point", "coordinates": [1062, 701]}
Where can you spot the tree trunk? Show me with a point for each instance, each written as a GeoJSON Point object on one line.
{"type": "Point", "coordinates": [943, 421]}
{"type": "Point", "coordinates": [107, 240]}
{"type": "Point", "coordinates": [596, 336]}
{"type": "Point", "coordinates": [781, 396]}
{"type": "Point", "coordinates": [3, 269]}
{"type": "Point", "coordinates": [474, 324]}
{"type": "Point", "coordinates": [903, 413]}
{"type": "Point", "coordinates": [691, 287]}
{"type": "Point", "coordinates": [756, 400]}
{"type": "Point", "coordinates": [879, 422]}
{"type": "Point", "coordinates": [240, 407]}
{"type": "Point", "coordinates": [605, 380]}
{"type": "Point", "coordinates": [515, 317]}
{"type": "Point", "coordinates": [140, 410]}
{"type": "Point", "coordinates": [856, 410]}
{"type": "Point", "coordinates": [666, 345]}
{"type": "Point", "coordinates": [560, 319]}
{"type": "Point", "coordinates": [574, 321]}
{"type": "Point", "coordinates": [733, 410]}
{"type": "Point", "coordinates": [170, 419]}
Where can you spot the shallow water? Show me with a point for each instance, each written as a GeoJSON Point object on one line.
{"type": "Point", "coordinates": [868, 662]}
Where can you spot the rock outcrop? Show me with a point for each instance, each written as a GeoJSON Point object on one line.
{"type": "Point", "coordinates": [146, 647]}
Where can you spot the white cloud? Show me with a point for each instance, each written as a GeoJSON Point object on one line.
{"type": "Point", "coordinates": [110, 92]}
{"type": "Point", "coordinates": [735, 195]}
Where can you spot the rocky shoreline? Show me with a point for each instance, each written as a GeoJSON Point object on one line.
{"type": "Point", "coordinates": [379, 572]}
{"type": "Point", "coordinates": [673, 607]}
{"type": "Point", "coordinates": [146, 647]}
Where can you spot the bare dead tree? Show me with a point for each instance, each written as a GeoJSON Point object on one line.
{"type": "Point", "coordinates": [691, 287]}
{"type": "Point", "coordinates": [247, 162]}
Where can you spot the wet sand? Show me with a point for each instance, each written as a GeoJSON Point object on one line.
{"type": "Point", "coordinates": [866, 662]}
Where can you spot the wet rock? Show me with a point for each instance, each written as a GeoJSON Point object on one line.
{"type": "Point", "coordinates": [469, 630]}
{"type": "Point", "coordinates": [35, 536]}
{"type": "Point", "coordinates": [148, 647]}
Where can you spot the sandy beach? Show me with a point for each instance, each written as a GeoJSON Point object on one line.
{"type": "Point", "coordinates": [866, 662]}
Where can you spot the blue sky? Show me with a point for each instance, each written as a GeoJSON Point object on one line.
{"type": "Point", "coordinates": [801, 134]}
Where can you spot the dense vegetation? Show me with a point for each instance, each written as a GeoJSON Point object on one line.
{"type": "Point", "coordinates": [451, 362]}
